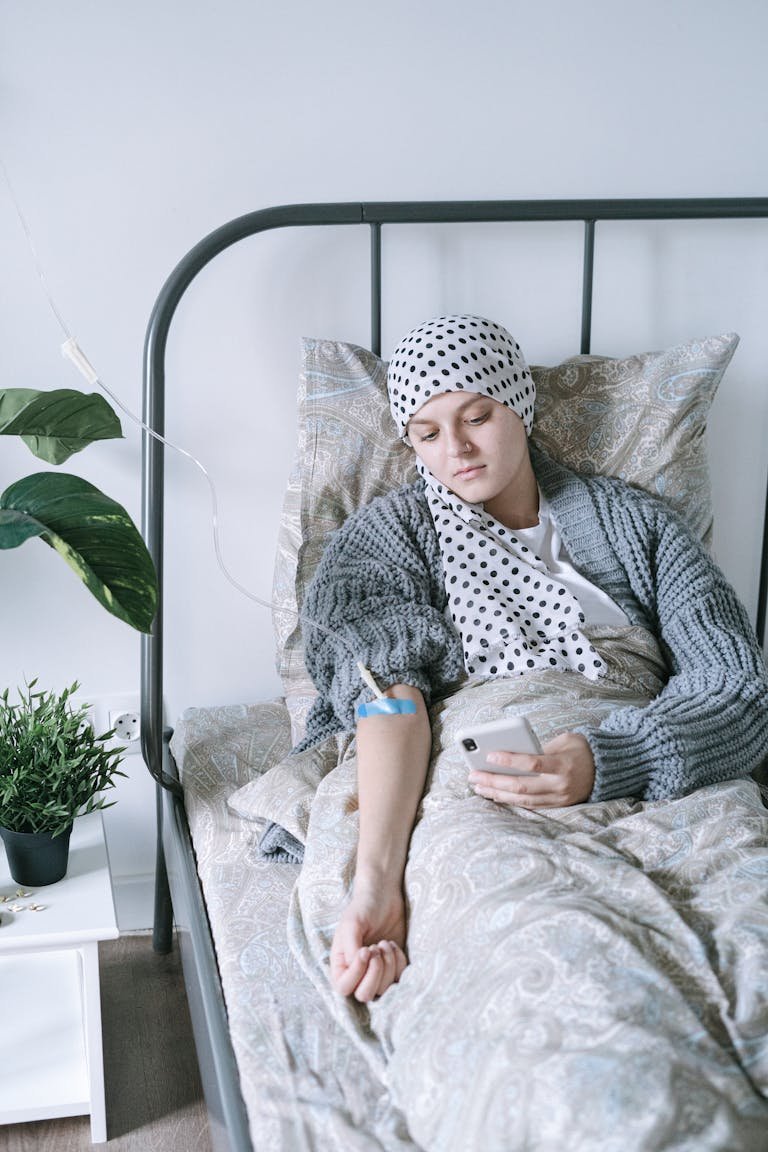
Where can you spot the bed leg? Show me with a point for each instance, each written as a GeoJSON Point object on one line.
{"type": "Point", "coordinates": [162, 935]}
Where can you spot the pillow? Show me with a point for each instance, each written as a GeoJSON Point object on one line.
{"type": "Point", "coordinates": [642, 418]}
{"type": "Point", "coordinates": [347, 453]}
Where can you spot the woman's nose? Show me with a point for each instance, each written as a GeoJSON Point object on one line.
{"type": "Point", "coordinates": [459, 446]}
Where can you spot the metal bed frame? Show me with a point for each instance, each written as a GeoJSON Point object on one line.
{"type": "Point", "coordinates": [177, 888]}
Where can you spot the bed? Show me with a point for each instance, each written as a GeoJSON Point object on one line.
{"type": "Point", "coordinates": [667, 904]}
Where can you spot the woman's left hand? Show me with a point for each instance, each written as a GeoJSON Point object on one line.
{"type": "Point", "coordinates": [564, 774]}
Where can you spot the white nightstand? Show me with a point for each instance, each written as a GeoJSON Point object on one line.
{"type": "Point", "coordinates": [50, 1036]}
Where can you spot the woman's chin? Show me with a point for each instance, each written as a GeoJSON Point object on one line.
{"type": "Point", "coordinates": [475, 489]}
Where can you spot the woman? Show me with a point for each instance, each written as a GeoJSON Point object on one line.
{"type": "Point", "coordinates": [498, 563]}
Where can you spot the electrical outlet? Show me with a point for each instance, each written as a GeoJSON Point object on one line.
{"type": "Point", "coordinates": [121, 712]}
{"type": "Point", "coordinates": [127, 726]}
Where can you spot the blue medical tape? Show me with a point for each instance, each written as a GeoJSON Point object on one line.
{"type": "Point", "coordinates": [385, 706]}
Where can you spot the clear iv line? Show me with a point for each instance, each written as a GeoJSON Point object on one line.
{"type": "Point", "coordinates": [35, 259]}
{"type": "Point", "coordinates": [72, 352]}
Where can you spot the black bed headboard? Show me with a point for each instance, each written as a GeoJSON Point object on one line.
{"type": "Point", "coordinates": [374, 215]}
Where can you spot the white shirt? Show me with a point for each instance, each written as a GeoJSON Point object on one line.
{"type": "Point", "coordinates": [545, 540]}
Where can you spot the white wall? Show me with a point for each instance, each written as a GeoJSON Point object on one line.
{"type": "Point", "coordinates": [132, 129]}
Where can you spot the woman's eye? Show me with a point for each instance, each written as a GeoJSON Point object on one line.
{"type": "Point", "coordinates": [479, 419]}
{"type": "Point", "coordinates": [427, 437]}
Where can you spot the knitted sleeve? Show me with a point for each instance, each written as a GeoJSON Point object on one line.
{"type": "Point", "coordinates": [379, 592]}
{"type": "Point", "coordinates": [710, 722]}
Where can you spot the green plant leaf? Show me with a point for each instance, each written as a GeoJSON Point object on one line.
{"type": "Point", "coordinates": [16, 527]}
{"type": "Point", "coordinates": [55, 424]}
{"type": "Point", "coordinates": [52, 765]}
{"type": "Point", "coordinates": [94, 534]}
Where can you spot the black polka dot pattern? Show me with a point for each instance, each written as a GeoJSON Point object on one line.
{"type": "Point", "coordinates": [512, 614]}
{"type": "Point", "coordinates": [455, 353]}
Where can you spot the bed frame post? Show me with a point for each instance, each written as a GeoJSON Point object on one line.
{"type": "Point", "coordinates": [162, 930]}
{"type": "Point", "coordinates": [762, 594]}
{"type": "Point", "coordinates": [586, 286]}
{"type": "Point", "coordinates": [153, 501]}
{"type": "Point", "coordinates": [376, 289]}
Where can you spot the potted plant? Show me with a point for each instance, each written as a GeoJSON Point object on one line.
{"type": "Point", "coordinates": [53, 767]}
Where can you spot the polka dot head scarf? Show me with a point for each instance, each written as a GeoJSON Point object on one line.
{"type": "Point", "coordinates": [512, 613]}
{"type": "Point", "coordinates": [458, 353]}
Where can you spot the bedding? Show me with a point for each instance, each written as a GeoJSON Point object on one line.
{"type": "Point", "coordinates": [590, 978]}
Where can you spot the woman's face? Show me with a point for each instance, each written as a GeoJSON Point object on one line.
{"type": "Point", "coordinates": [475, 446]}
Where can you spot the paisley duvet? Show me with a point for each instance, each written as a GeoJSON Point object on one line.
{"type": "Point", "coordinates": [580, 979]}
{"type": "Point", "coordinates": [589, 978]}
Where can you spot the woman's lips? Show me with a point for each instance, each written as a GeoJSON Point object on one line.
{"type": "Point", "coordinates": [469, 473]}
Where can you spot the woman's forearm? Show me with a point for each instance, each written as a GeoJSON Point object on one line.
{"type": "Point", "coordinates": [392, 761]}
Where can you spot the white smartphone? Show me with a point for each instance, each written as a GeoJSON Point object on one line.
{"type": "Point", "coordinates": [511, 734]}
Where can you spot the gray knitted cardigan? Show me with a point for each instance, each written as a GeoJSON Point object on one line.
{"type": "Point", "coordinates": [379, 586]}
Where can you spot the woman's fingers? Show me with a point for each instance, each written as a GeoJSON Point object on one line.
{"type": "Point", "coordinates": [563, 774]}
{"type": "Point", "coordinates": [401, 961]}
{"type": "Point", "coordinates": [370, 972]}
{"type": "Point", "coordinates": [506, 789]}
{"type": "Point", "coordinates": [368, 987]}
{"type": "Point", "coordinates": [346, 976]}
{"type": "Point", "coordinates": [526, 799]}
{"type": "Point", "coordinates": [389, 973]}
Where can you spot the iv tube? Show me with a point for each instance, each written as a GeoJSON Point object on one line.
{"type": "Point", "coordinates": [71, 351]}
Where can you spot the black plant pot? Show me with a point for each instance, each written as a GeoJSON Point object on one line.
{"type": "Point", "coordinates": [36, 858]}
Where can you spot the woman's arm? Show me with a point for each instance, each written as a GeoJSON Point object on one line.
{"type": "Point", "coordinates": [368, 951]}
{"type": "Point", "coordinates": [379, 596]}
{"type": "Point", "coordinates": [710, 721]}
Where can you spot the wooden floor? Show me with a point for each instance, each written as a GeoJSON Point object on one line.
{"type": "Point", "coordinates": [153, 1092]}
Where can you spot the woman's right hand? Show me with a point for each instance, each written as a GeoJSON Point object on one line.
{"type": "Point", "coordinates": [368, 950]}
